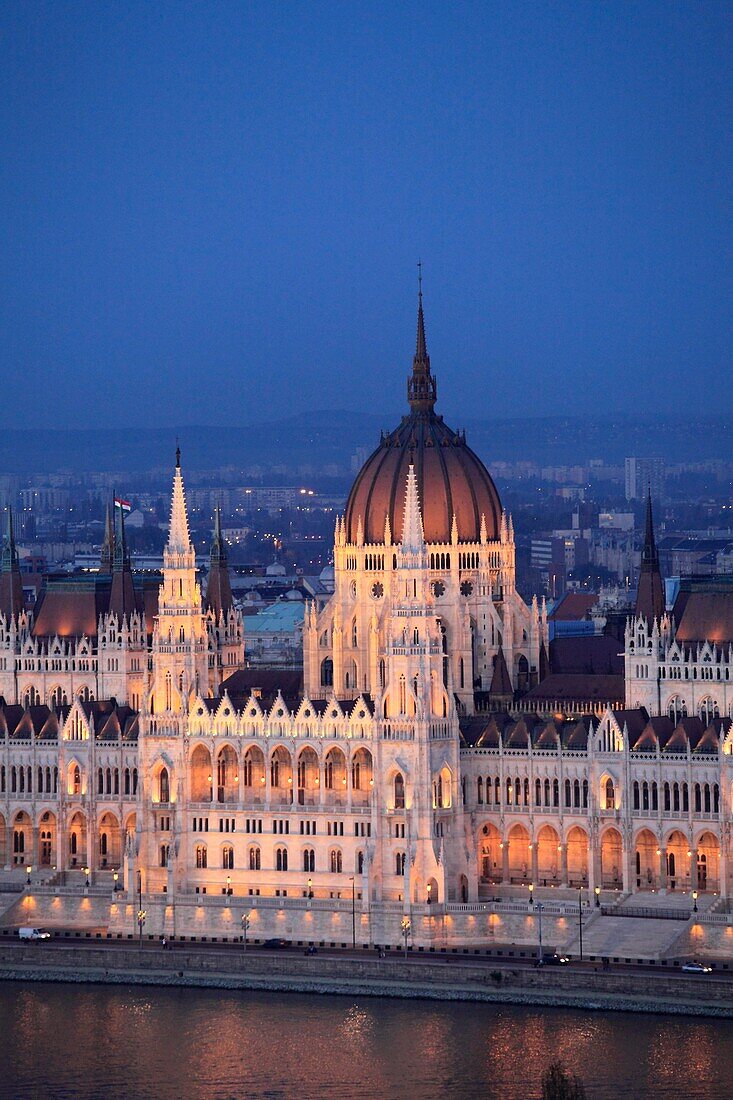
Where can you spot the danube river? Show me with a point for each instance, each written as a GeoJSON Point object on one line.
{"type": "Point", "coordinates": [62, 1041]}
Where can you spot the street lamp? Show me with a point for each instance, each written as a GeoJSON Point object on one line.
{"type": "Point", "coordinates": [141, 915]}
{"type": "Point", "coordinates": [310, 889]}
{"type": "Point", "coordinates": [245, 926]}
{"type": "Point", "coordinates": [694, 901]}
{"type": "Point", "coordinates": [531, 893]}
{"type": "Point", "coordinates": [430, 892]}
{"type": "Point", "coordinates": [597, 892]}
{"type": "Point", "coordinates": [86, 872]}
{"type": "Point", "coordinates": [28, 873]}
{"type": "Point", "coordinates": [406, 930]}
{"type": "Point", "coordinates": [116, 879]}
{"type": "Point", "coordinates": [540, 907]}
{"type": "Point", "coordinates": [229, 886]}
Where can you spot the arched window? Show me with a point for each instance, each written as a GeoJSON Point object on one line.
{"type": "Point", "coordinates": [480, 791]}
{"type": "Point", "coordinates": [164, 785]}
{"type": "Point", "coordinates": [127, 781]}
{"type": "Point", "coordinates": [335, 861]}
{"type": "Point", "coordinates": [327, 672]}
{"type": "Point", "coordinates": [201, 857]}
{"type": "Point", "coordinates": [360, 863]}
{"type": "Point", "coordinates": [610, 795]}
{"type": "Point", "coordinates": [400, 863]}
{"type": "Point", "coordinates": [281, 859]}
{"type": "Point", "coordinates": [354, 634]}
{"type": "Point", "coordinates": [355, 775]}
{"type": "Point", "coordinates": [636, 795]}
{"type": "Point", "coordinates": [76, 780]}
{"type": "Point", "coordinates": [254, 859]}
{"type": "Point", "coordinates": [309, 859]}
{"type": "Point", "coordinates": [399, 792]}
{"type": "Point", "coordinates": [100, 781]}
{"type": "Point", "coordinates": [227, 858]}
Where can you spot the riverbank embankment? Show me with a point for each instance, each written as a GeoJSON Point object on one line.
{"type": "Point", "coordinates": [433, 979]}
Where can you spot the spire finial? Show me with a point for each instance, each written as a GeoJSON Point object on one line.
{"type": "Point", "coordinates": [178, 454]}
{"type": "Point", "coordinates": [421, 388]}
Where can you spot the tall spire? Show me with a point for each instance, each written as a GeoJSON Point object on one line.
{"type": "Point", "coordinates": [421, 388]}
{"type": "Point", "coordinates": [649, 554]}
{"type": "Point", "coordinates": [650, 597]}
{"type": "Point", "coordinates": [11, 584]}
{"type": "Point", "coordinates": [413, 538]}
{"type": "Point", "coordinates": [122, 593]}
{"type": "Point", "coordinates": [218, 587]}
{"type": "Point", "coordinates": [178, 536]}
{"type": "Point", "coordinates": [106, 555]}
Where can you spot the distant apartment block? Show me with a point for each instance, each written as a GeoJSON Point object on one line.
{"type": "Point", "coordinates": [643, 474]}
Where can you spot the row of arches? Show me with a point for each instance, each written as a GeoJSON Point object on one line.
{"type": "Point", "coordinates": [19, 846]}
{"type": "Point", "coordinates": [676, 797]}
{"type": "Point", "coordinates": [672, 865]}
{"type": "Point", "coordinates": [304, 779]}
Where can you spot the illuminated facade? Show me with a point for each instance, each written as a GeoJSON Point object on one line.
{"type": "Point", "coordinates": [398, 776]}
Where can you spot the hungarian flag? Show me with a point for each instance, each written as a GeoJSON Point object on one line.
{"type": "Point", "coordinates": [123, 505]}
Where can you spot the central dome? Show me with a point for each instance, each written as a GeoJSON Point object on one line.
{"type": "Point", "coordinates": [452, 480]}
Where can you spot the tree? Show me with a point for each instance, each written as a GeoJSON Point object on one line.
{"type": "Point", "coordinates": [557, 1084]}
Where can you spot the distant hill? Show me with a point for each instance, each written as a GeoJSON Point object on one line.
{"type": "Point", "coordinates": [332, 436]}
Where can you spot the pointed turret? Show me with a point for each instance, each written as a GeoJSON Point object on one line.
{"type": "Point", "coordinates": [421, 388]}
{"type": "Point", "coordinates": [412, 529]}
{"type": "Point", "coordinates": [179, 541]}
{"type": "Point", "coordinates": [650, 598]}
{"type": "Point", "coordinates": [218, 588]}
{"type": "Point", "coordinates": [11, 584]}
{"type": "Point", "coordinates": [501, 690]}
{"type": "Point", "coordinates": [106, 555]}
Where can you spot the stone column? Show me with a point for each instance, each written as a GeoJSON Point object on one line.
{"type": "Point", "coordinates": [535, 871]}
{"type": "Point", "coordinates": [9, 847]}
{"type": "Point", "coordinates": [662, 870]}
{"type": "Point", "coordinates": [693, 869]}
{"type": "Point", "coordinates": [564, 864]}
{"type": "Point", "coordinates": [505, 862]}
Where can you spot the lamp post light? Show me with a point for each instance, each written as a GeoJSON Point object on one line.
{"type": "Point", "coordinates": [229, 886]}
{"type": "Point", "coordinates": [540, 907]}
{"type": "Point", "coordinates": [310, 889]}
{"type": "Point", "coordinates": [406, 930]}
{"type": "Point", "coordinates": [694, 901]}
{"type": "Point", "coordinates": [28, 873]}
{"type": "Point", "coordinates": [430, 892]}
{"type": "Point", "coordinates": [531, 893]}
{"type": "Point", "coordinates": [245, 926]}
{"type": "Point", "coordinates": [86, 872]}
{"type": "Point", "coordinates": [141, 915]}
{"type": "Point", "coordinates": [597, 892]}
{"type": "Point", "coordinates": [117, 883]}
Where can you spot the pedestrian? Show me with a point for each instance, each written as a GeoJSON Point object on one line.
{"type": "Point", "coordinates": [165, 944]}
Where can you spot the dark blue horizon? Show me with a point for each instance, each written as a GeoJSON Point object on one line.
{"type": "Point", "coordinates": [212, 213]}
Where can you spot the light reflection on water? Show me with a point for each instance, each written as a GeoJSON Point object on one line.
{"type": "Point", "coordinates": [90, 1041]}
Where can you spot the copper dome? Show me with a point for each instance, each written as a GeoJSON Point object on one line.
{"type": "Point", "coordinates": [451, 479]}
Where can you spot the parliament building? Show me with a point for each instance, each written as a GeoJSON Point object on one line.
{"type": "Point", "coordinates": [401, 778]}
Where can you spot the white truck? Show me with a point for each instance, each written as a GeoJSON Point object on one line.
{"type": "Point", "coordinates": [34, 934]}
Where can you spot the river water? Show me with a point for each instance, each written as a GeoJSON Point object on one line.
{"type": "Point", "coordinates": [62, 1041]}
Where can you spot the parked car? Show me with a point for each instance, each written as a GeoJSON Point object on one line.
{"type": "Point", "coordinates": [275, 942]}
{"type": "Point", "coordinates": [34, 934]}
{"type": "Point", "coordinates": [551, 958]}
{"type": "Point", "coordinates": [697, 968]}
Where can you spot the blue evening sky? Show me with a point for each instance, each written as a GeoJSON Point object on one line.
{"type": "Point", "coordinates": [212, 212]}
